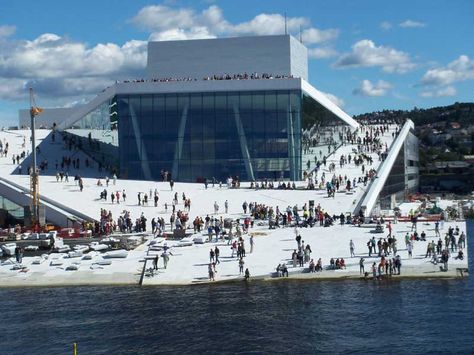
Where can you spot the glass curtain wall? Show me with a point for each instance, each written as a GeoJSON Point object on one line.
{"type": "Point", "coordinates": [197, 136]}
{"type": "Point", "coordinates": [322, 130]}
{"type": "Point", "coordinates": [395, 184]}
{"type": "Point", "coordinates": [97, 134]}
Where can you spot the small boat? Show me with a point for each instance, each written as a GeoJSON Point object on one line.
{"type": "Point", "coordinates": [56, 262]}
{"type": "Point", "coordinates": [8, 262]}
{"type": "Point", "coordinates": [38, 260]}
{"type": "Point", "coordinates": [185, 242]}
{"type": "Point", "coordinates": [98, 247]}
{"type": "Point", "coordinates": [116, 254]}
{"type": "Point", "coordinates": [31, 248]}
{"type": "Point", "coordinates": [103, 262]}
{"type": "Point", "coordinates": [198, 238]}
{"type": "Point", "coordinates": [75, 254]}
{"type": "Point", "coordinates": [134, 241]}
{"type": "Point", "coordinates": [110, 240]}
{"type": "Point", "coordinates": [72, 267]}
{"type": "Point", "coordinates": [81, 247]}
{"type": "Point", "coordinates": [87, 257]}
{"type": "Point", "coordinates": [9, 249]}
{"type": "Point", "coordinates": [63, 249]}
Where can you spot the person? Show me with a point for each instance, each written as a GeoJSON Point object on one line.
{"type": "Point", "coordinates": [247, 274]}
{"type": "Point", "coordinates": [166, 258]}
{"type": "Point", "coordinates": [155, 262]}
{"type": "Point", "coordinates": [445, 258]}
{"type": "Point", "coordinates": [279, 270]}
{"type": "Point", "coordinates": [241, 265]}
{"type": "Point", "coordinates": [284, 270]}
{"type": "Point", "coordinates": [226, 206]}
{"type": "Point", "coordinates": [351, 247]}
{"type": "Point", "coordinates": [361, 266]}
{"type": "Point", "coordinates": [423, 236]}
{"type": "Point", "coordinates": [17, 254]}
{"type": "Point", "coordinates": [460, 255]}
{"type": "Point", "coordinates": [251, 244]}
{"type": "Point", "coordinates": [171, 184]}
{"type": "Point", "coordinates": [211, 255]}
{"type": "Point", "coordinates": [216, 254]}
{"type": "Point", "coordinates": [294, 257]}
{"type": "Point", "coordinates": [398, 264]}
{"type": "Point", "coordinates": [211, 272]}
{"type": "Point", "coordinates": [410, 249]}
{"type": "Point", "coordinates": [374, 270]}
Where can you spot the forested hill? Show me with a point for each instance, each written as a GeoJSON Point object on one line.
{"type": "Point", "coordinates": [462, 113]}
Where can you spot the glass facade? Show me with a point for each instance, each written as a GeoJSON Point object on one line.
{"type": "Point", "coordinates": [321, 127]}
{"type": "Point", "coordinates": [97, 134]}
{"type": "Point", "coordinates": [251, 135]}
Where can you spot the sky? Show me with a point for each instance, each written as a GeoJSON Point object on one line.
{"type": "Point", "coordinates": [367, 55]}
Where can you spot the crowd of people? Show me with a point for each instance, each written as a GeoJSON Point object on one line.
{"type": "Point", "coordinates": [225, 76]}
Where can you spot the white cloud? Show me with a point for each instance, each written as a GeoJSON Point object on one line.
{"type": "Point", "coordinates": [313, 35]}
{"type": "Point", "coordinates": [176, 34]}
{"type": "Point", "coordinates": [445, 91]}
{"type": "Point", "coordinates": [322, 52]}
{"type": "Point", "coordinates": [367, 88]}
{"type": "Point", "coordinates": [385, 25]}
{"type": "Point", "coordinates": [59, 67]}
{"type": "Point", "coordinates": [50, 56]}
{"type": "Point", "coordinates": [7, 30]}
{"type": "Point", "coordinates": [366, 54]}
{"type": "Point", "coordinates": [412, 24]}
{"type": "Point", "coordinates": [334, 99]}
{"type": "Point", "coordinates": [460, 69]}
{"type": "Point", "coordinates": [168, 23]}
{"type": "Point", "coordinates": [160, 17]}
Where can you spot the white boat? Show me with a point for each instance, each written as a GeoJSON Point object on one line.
{"type": "Point", "coordinates": [31, 248]}
{"type": "Point", "coordinates": [9, 248]}
{"type": "Point", "coordinates": [198, 238]}
{"type": "Point", "coordinates": [75, 254]}
{"type": "Point", "coordinates": [38, 260]}
{"type": "Point", "coordinates": [9, 262]}
{"type": "Point", "coordinates": [103, 262]}
{"type": "Point", "coordinates": [87, 257]}
{"type": "Point", "coordinates": [110, 240]}
{"type": "Point", "coordinates": [81, 247]}
{"type": "Point", "coordinates": [56, 262]}
{"type": "Point", "coordinates": [63, 249]}
{"type": "Point", "coordinates": [98, 247]}
{"type": "Point", "coordinates": [116, 254]}
{"type": "Point", "coordinates": [72, 267]}
{"type": "Point", "coordinates": [134, 241]}
{"type": "Point", "coordinates": [185, 242]}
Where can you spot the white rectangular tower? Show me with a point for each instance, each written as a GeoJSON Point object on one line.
{"type": "Point", "coordinates": [277, 55]}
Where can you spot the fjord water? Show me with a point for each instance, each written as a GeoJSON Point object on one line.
{"type": "Point", "coordinates": [399, 316]}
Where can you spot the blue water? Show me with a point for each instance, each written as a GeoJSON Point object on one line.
{"type": "Point", "coordinates": [399, 317]}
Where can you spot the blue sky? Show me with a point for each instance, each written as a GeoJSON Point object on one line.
{"type": "Point", "coordinates": [367, 55]}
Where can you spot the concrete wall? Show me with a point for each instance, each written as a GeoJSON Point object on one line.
{"type": "Point", "coordinates": [280, 54]}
